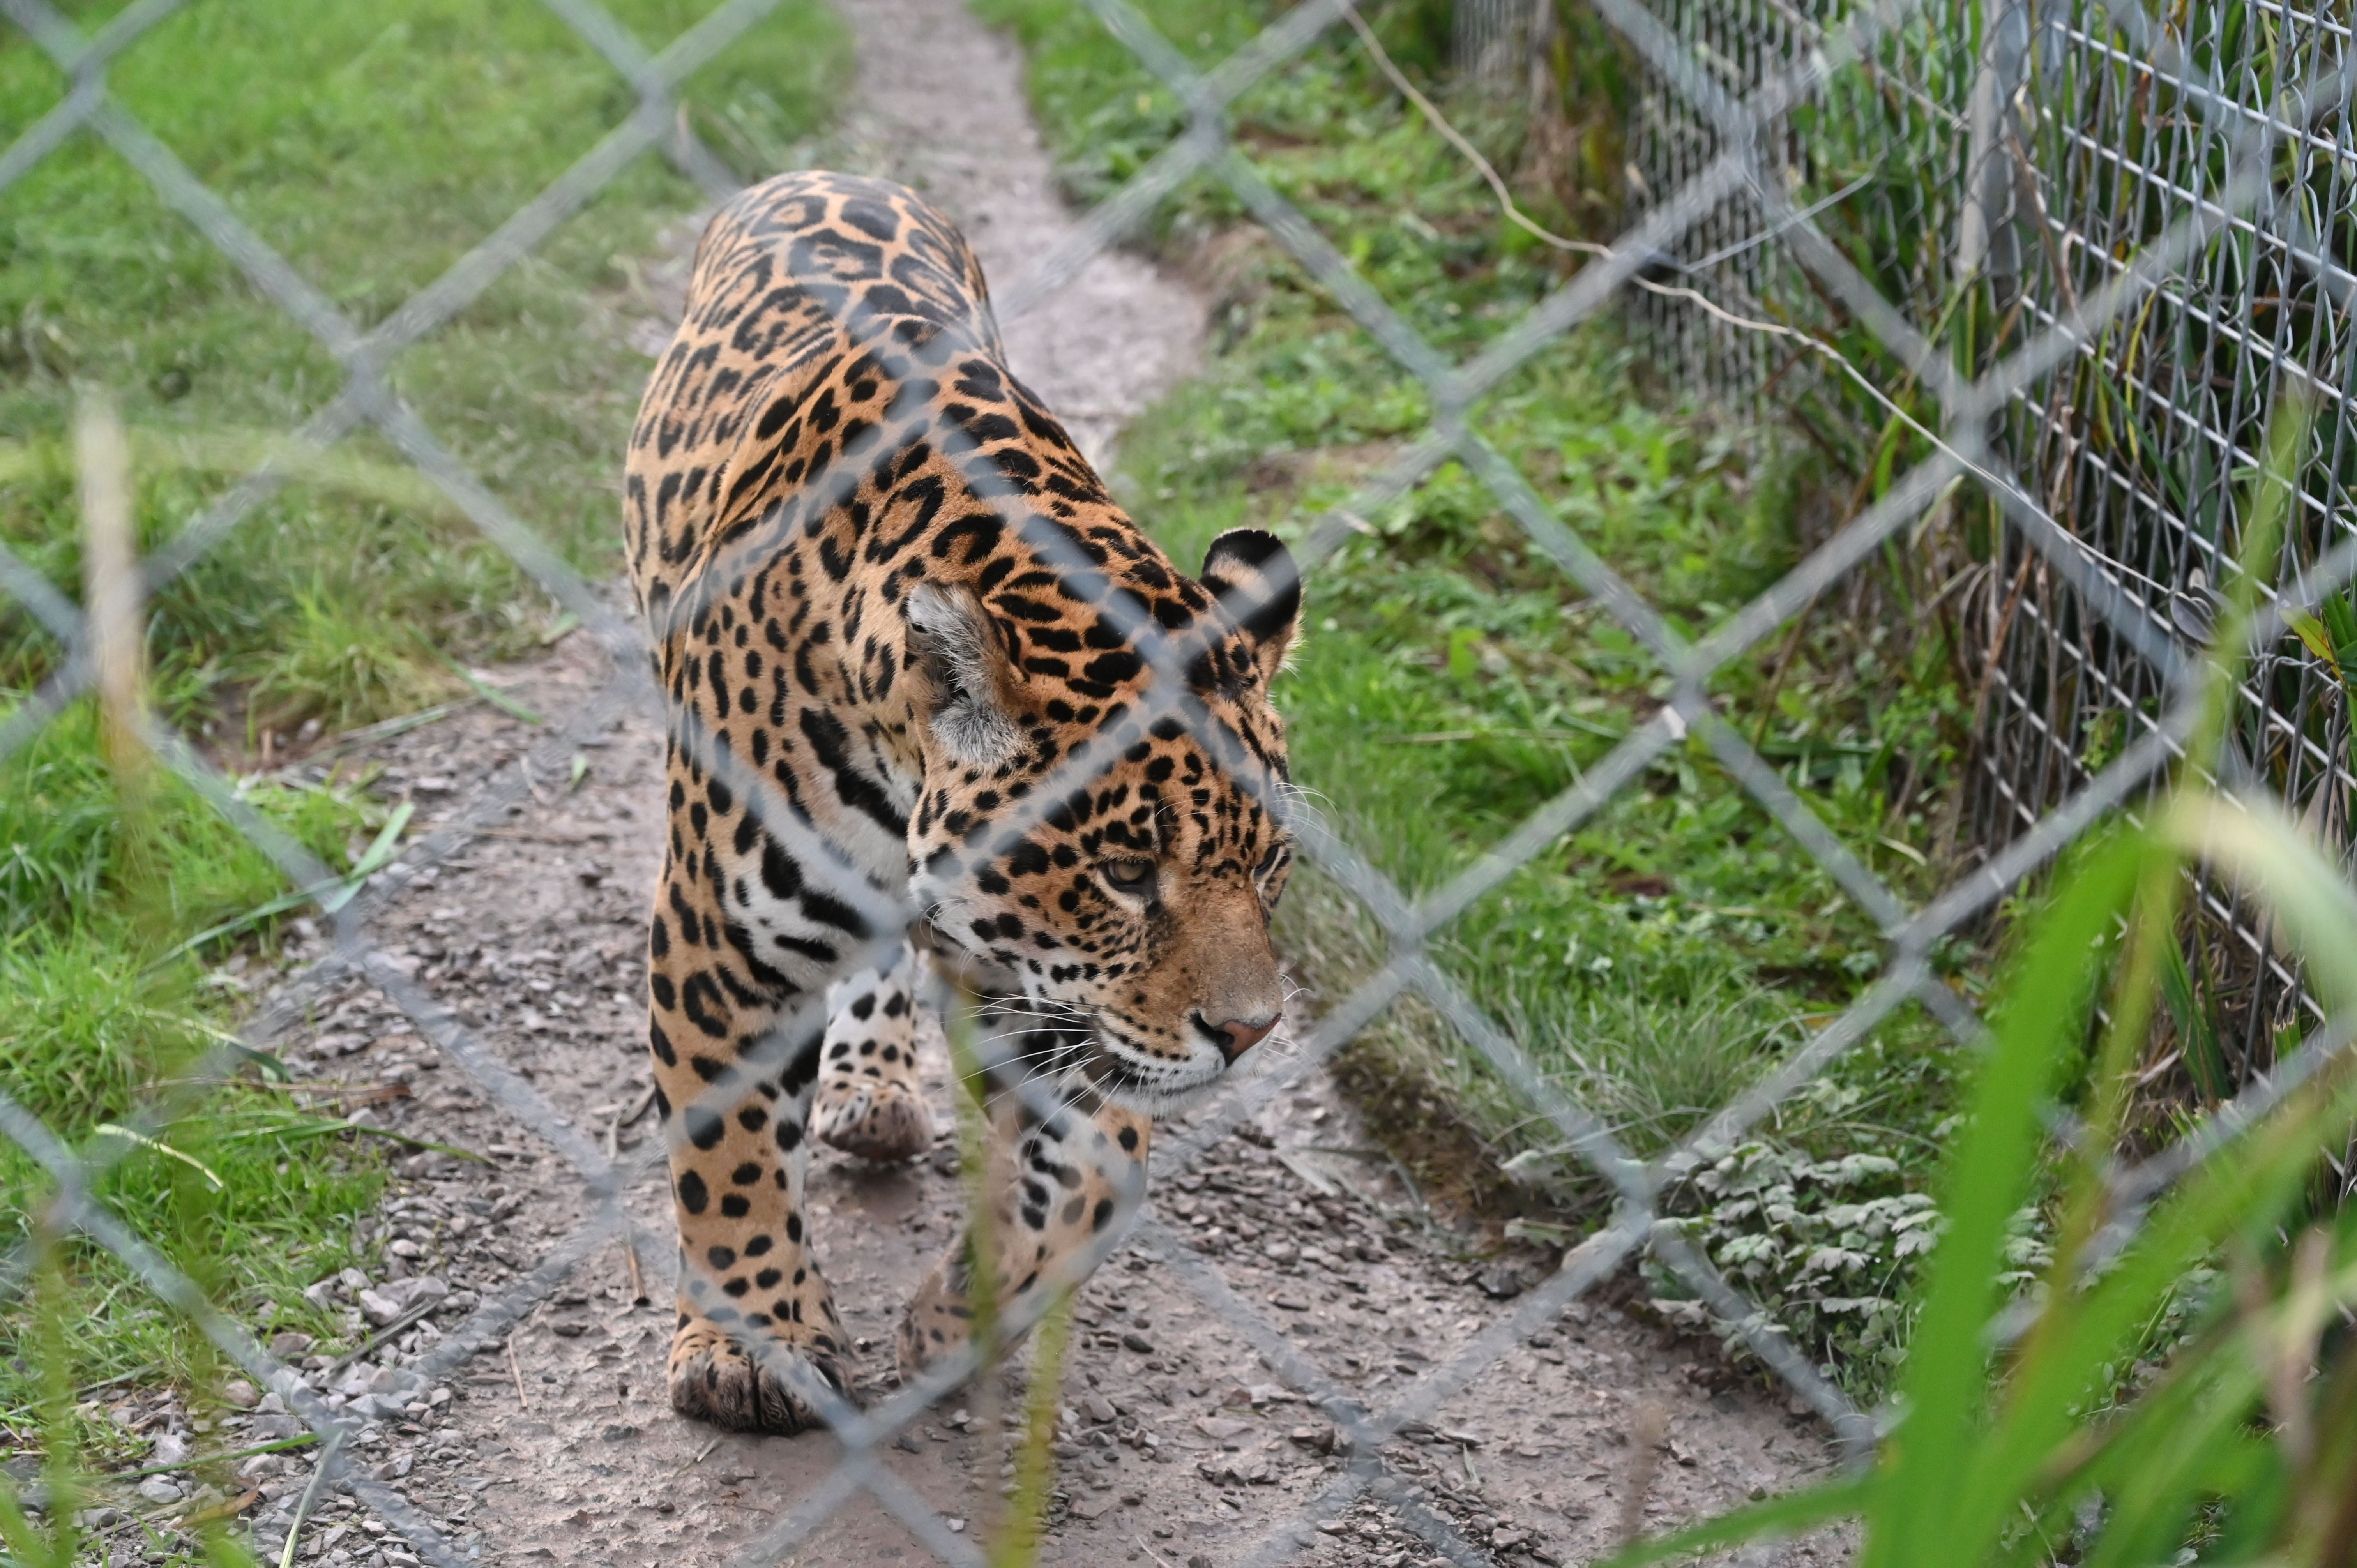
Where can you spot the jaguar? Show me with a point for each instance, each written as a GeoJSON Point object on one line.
{"type": "Point", "coordinates": [934, 701]}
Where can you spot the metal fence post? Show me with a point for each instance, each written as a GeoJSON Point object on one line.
{"type": "Point", "coordinates": [1987, 242]}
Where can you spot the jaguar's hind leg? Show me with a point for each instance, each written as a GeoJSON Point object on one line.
{"type": "Point", "coordinates": [869, 1099]}
{"type": "Point", "coordinates": [1056, 1185]}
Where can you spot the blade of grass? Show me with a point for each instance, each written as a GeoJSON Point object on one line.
{"type": "Point", "coordinates": [328, 1126]}
{"type": "Point", "coordinates": [491, 694]}
{"type": "Point", "coordinates": [111, 1130]}
{"type": "Point", "coordinates": [2245, 1189]}
{"type": "Point", "coordinates": [1018, 1545]}
{"type": "Point", "coordinates": [190, 1464]}
{"type": "Point", "coordinates": [1946, 1385]}
{"type": "Point", "coordinates": [329, 896]}
{"type": "Point", "coordinates": [373, 860]}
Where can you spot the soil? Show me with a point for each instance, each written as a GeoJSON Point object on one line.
{"type": "Point", "coordinates": [519, 1406]}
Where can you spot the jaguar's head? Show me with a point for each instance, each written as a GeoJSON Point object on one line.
{"type": "Point", "coordinates": [1115, 856]}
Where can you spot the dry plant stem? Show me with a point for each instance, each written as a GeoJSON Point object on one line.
{"type": "Point", "coordinates": [1647, 1428]}
{"type": "Point", "coordinates": [1515, 215]}
{"type": "Point", "coordinates": [1456, 138]}
{"type": "Point", "coordinates": [61, 1468]}
{"type": "Point", "coordinates": [638, 1280]}
{"type": "Point", "coordinates": [516, 1372]}
{"type": "Point", "coordinates": [2285, 1345]}
{"type": "Point", "coordinates": [380, 1337]}
{"type": "Point", "coordinates": [111, 583]}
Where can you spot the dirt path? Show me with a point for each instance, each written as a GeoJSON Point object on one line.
{"type": "Point", "coordinates": [1183, 1445]}
{"type": "Point", "coordinates": [523, 1414]}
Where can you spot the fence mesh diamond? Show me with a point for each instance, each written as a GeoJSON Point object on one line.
{"type": "Point", "coordinates": [2084, 183]}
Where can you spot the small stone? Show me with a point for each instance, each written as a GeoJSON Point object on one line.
{"type": "Point", "coordinates": [287, 1345]}
{"type": "Point", "coordinates": [1319, 1439]}
{"type": "Point", "coordinates": [379, 1307]}
{"type": "Point", "coordinates": [1138, 1342]}
{"type": "Point", "coordinates": [241, 1394]}
{"type": "Point", "coordinates": [1100, 1409]}
{"type": "Point", "coordinates": [159, 1489]}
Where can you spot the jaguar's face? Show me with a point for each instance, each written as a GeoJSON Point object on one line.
{"type": "Point", "coordinates": [1123, 873]}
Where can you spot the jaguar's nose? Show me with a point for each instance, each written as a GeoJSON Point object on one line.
{"type": "Point", "coordinates": [1238, 1036]}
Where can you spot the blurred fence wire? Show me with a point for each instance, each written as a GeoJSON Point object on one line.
{"type": "Point", "coordinates": [2163, 198]}
{"type": "Point", "coordinates": [2060, 349]}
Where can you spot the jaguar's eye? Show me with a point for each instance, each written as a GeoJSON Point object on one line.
{"type": "Point", "coordinates": [1268, 862]}
{"type": "Point", "coordinates": [1133, 877]}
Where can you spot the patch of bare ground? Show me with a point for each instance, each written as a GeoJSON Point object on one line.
{"type": "Point", "coordinates": [549, 1439]}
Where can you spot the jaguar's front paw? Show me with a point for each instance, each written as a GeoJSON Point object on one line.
{"type": "Point", "coordinates": [875, 1118]}
{"type": "Point", "coordinates": [756, 1380]}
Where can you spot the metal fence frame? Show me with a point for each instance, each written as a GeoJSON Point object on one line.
{"type": "Point", "coordinates": [2055, 141]}
{"type": "Point", "coordinates": [1750, 136]}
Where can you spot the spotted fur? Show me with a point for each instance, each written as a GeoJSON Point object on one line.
{"type": "Point", "coordinates": [913, 650]}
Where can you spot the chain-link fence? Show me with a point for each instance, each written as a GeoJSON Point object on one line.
{"type": "Point", "coordinates": [1994, 171]}
{"type": "Point", "coordinates": [1745, 113]}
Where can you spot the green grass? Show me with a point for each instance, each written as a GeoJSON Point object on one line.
{"type": "Point", "coordinates": [372, 145]}
{"type": "Point", "coordinates": [102, 1020]}
{"type": "Point", "coordinates": [1679, 944]}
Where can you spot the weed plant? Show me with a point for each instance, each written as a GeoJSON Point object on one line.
{"type": "Point", "coordinates": [1678, 945]}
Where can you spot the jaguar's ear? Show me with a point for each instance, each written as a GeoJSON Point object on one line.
{"type": "Point", "coordinates": [1253, 577]}
{"type": "Point", "coordinates": [953, 644]}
